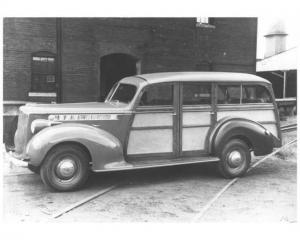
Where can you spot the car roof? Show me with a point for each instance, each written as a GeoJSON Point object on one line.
{"type": "Point", "coordinates": [201, 76]}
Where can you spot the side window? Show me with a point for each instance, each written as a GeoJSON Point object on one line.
{"type": "Point", "coordinates": [195, 94]}
{"type": "Point", "coordinates": [124, 93]}
{"type": "Point", "coordinates": [43, 72]}
{"type": "Point", "coordinates": [229, 94]}
{"type": "Point", "coordinates": [157, 95]}
{"type": "Point", "coordinates": [256, 94]}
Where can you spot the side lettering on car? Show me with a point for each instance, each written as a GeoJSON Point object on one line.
{"type": "Point", "coordinates": [82, 117]}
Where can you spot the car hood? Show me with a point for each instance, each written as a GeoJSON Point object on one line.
{"type": "Point", "coordinates": [87, 107]}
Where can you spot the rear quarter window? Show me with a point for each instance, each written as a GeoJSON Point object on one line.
{"type": "Point", "coordinates": [256, 94]}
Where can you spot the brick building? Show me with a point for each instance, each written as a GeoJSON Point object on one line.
{"type": "Point", "coordinates": [86, 55]}
{"type": "Point", "coordinates": [79, 59]}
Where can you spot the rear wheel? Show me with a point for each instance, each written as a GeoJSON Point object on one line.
{"type": "Point", "coordinates": [235, 159]}
{"type": "Point", "coordinates": [65, 168]}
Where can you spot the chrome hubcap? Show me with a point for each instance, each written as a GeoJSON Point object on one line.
{"type": "Point", "coordinates": [235, 159]}
{"type": "Point", "coordinates": [66, 168]}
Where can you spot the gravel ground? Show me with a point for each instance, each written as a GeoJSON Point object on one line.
{"type": "Point", "coordinates": [170, 194]}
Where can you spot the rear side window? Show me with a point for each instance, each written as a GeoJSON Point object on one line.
{"type": "Point", "coordinates": [229, 94]}
{"type": "Point", "coordinates": [157, 95]}
{"type": "Point", "coordinates": [256, 94]}
{"type": "Point", "coordinates": [196, 94]}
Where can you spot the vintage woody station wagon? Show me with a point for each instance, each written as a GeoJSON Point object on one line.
{"type": "Point", "coordinates": [152, 120]}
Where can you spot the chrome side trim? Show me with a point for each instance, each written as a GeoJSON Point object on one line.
{"type": "Point", "coordinates": [174, 163]}
{"type": "Point", "coordinates": [237, 107]}
{"type": "Point", "coordinates": [196, 126]}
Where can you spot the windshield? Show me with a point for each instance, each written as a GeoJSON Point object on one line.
{"type": "Point", "coordinates": [122, 93]}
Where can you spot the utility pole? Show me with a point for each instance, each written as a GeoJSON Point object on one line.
{"type": "Point", "coordinates": [284, 84]}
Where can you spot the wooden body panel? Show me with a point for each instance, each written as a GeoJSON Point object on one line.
{"type": "Point", "coordinates": [150, 141]}
{"type": "Point", "coordinates": [192, 118]}
{"type": "Point", "coordinates": [194, 138]}
{"type": "Point", "coordinates": [264, 115]}
{"type": "Point", "coordinates": [153, 120]}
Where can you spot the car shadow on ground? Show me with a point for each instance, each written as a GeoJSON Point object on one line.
{"type": "Point", "coordinates": [156, 175]}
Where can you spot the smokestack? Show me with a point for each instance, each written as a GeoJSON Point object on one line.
{"type": "Point", "coordinates": [275, 39]}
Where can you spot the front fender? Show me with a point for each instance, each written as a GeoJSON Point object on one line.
{"type": "Point", "coordinates": [260, 140]}
{"type": "Point", "coordinates": [103, 147]}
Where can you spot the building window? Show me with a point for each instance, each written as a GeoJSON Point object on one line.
{"type": "Point", "coordinates": [205, 22]}
{"type": "Point", "coordinates": [202, 20]}
{"type": "Point", "coordinates": [43, 77]}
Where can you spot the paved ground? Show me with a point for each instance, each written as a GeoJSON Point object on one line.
{"type": "Point", "coordinates": [171, 194]}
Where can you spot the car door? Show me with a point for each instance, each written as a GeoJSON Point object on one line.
{"type": "Point", "coordinates": [154, 131]}
{"type": "Point", "coordinates": [197, 117]}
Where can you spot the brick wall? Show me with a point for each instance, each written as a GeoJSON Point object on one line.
{"type": "Point", "coordinates": [165, 44]}
{"type": "Point", "coordinates": [79, 61]}
{"type": "Point", "coordinates": [161, 44]}
{"type": "Point", "coordinates": [21, 38]}
{"type": "Point", "coordinates": [233, 44]}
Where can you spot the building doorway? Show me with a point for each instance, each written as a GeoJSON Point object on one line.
{"type": "Point", "coordinates": [114, 67]}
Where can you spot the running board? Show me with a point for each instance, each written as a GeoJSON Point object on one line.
{"type": "Point", "coordinates": [141, 164]}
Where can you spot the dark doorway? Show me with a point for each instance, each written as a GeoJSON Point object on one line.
{"type": "Point", "coordinates": [114, 67]}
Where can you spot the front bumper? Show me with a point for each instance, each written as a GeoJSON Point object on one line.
{"type": "Point", "coordinates": [16, 160]}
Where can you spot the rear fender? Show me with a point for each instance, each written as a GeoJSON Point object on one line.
{"type": "Point", "coordinates": [102, 146]}
{"type": "Point", "coordinates": [253, 133]}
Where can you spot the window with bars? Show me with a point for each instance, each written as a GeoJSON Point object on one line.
{"type": "Point", "coordinates": [205, 22]}
{"type": "Point", "coordinates": [202, 20]}
{"type": "Point", "coordinates": [43, 77]}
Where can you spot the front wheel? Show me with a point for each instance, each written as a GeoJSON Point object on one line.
{"type": "Point", "coordinates": [65, 168]}
{"type": "Point", "coordinates": [235, 159]}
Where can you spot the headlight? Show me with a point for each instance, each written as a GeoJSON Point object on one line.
{"type": "Point", "coordinates": [39, 124]}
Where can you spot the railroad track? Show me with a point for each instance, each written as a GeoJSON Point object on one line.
{"type": "Point", "coordinates": [289, 127]}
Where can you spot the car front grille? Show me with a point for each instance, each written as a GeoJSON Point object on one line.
{"type": "Point", "coordinates": [21, 133]}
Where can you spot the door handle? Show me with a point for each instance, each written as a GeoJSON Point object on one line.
{"type": "Point", "coordinates": [174, 114]}
{"type": "Point", "coordinates": [212, 113]}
